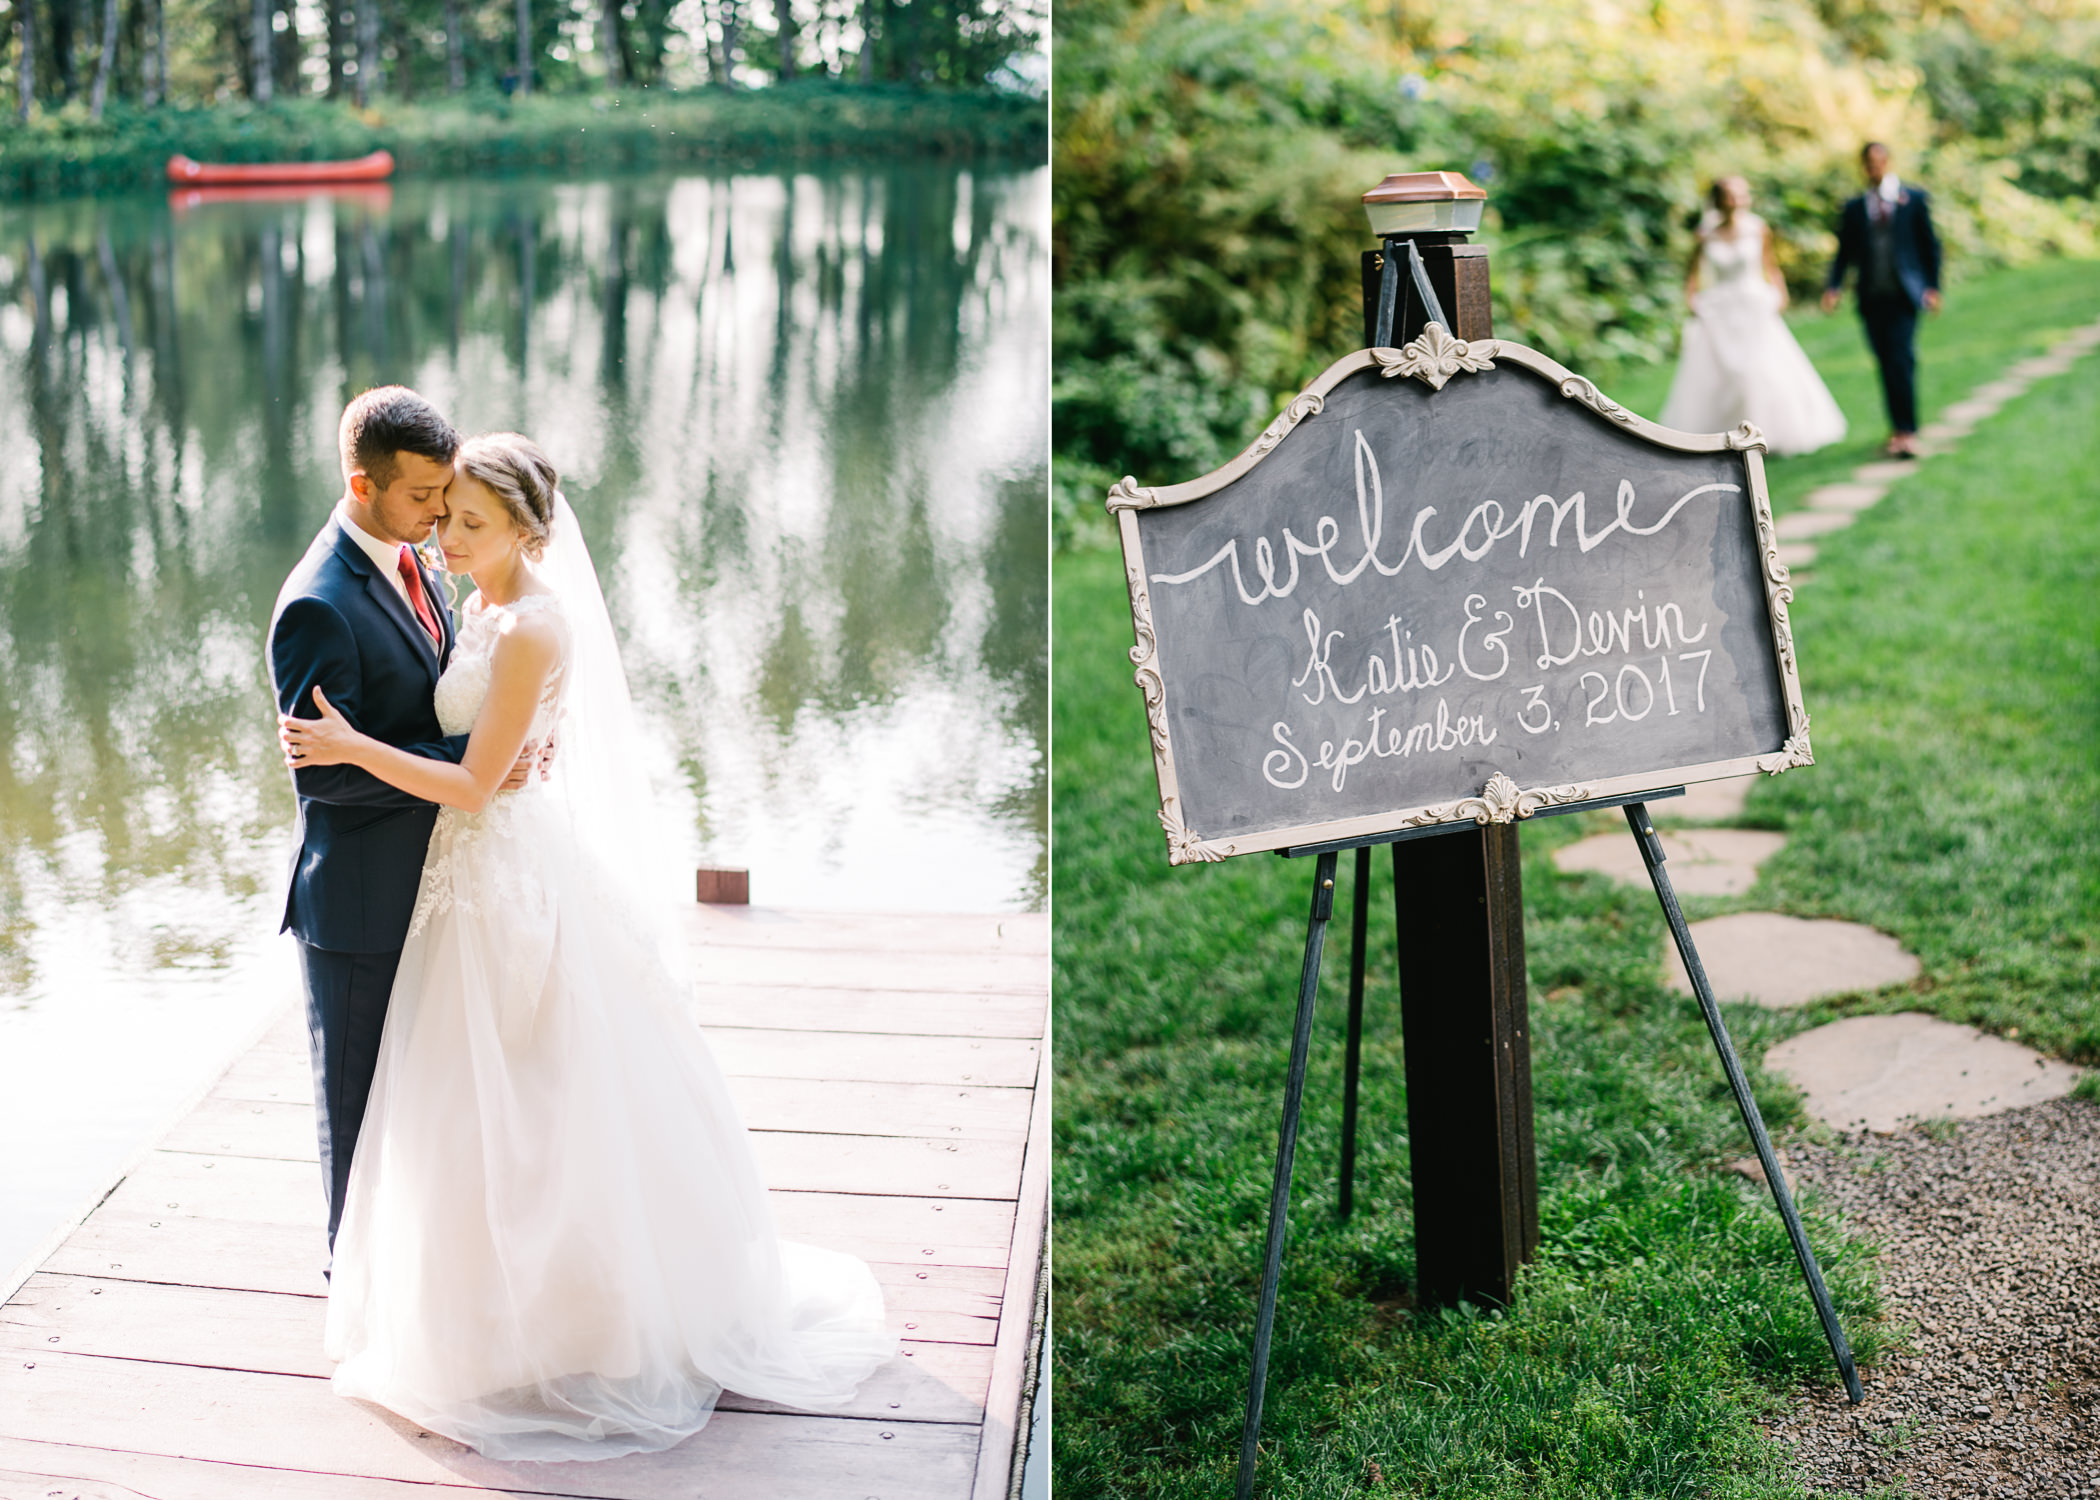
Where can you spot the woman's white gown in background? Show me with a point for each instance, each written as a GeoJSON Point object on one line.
{"type": "Point", "coordinates": [1740, 362]}
{"type": "Point", "coordinates": [556, 1243]}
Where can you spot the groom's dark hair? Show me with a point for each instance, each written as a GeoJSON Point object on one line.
{"type": "Point", "coordinates": [389, 420]}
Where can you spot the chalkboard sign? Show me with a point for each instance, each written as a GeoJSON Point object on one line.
{"type": "Point", "coordinates": [1454, 583]}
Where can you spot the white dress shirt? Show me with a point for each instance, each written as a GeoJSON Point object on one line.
{"type": "Point", "coordinates": [386, 556]}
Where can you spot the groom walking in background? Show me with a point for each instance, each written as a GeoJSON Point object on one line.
{"type": "Point", "coordinates": [1886, 233]}
{"type": "Point", "coordinates": [361, 618]}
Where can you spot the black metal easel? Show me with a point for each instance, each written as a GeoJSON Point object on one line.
{"type": "Point", "coordinates": [1506, 1232]}
{"type": "Point", "coordinates": [1301, 1045]}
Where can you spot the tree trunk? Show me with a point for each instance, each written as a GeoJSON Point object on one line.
{"type": "Point", "coordinates": [732, 41]}
{"type": "Point", "coordinates": [524, 47]}
{"type": "Point", "coordinates": [609, 43]}
{"type": "Point", "coordinates": [784, 13]}
{"type": "Point", "coordinates": [367, 50]}
{"type": "Point", "coordinates": [867, 40]}
{"type": "Point", "coordinates": [62, 47]}
{"type": "Point", "coordinates": [25, 72]}
{"type": "Point", "coordinates": [394, 23]}
{"type": "Point", "coordinates": [262, 67]}
{"type": "Point", "coordinates": [288, 47]}
{"type": "Point", "coordinates": [107, 62]}
{"type": "Point", "coordinates": [455, 49]}
{"type": "Point", "coordinates": [160, 52]}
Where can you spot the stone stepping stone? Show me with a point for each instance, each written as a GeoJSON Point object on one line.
{"type": "Point", "coordinates": [1884, 471]}
{"type": "Point", "coordinates": [1846, 497]}
{"type": "Point", "coordinates": [1797, 555]}
{"type": "Point", "coordinates": [1970, 410]}
{"type": "Point", "coordinates": [1881, 1072]}
{"type": "Point", "coordinates": [1807, 523]}
{"type": "Point", "coordinates": [1701, 861]}
{"type": "Point", "coordinates": [1781, 962]}
{"type": "Point", "coordinates": [2043, 366]}
{"type": "Point", "coordinates": [1706, 802]}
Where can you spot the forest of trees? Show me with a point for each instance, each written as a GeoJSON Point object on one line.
{"type": "Point", "coordinates": [92, 53]}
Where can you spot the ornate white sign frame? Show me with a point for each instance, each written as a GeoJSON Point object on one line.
{"type": "Point", "coordinates": [1435, 358]}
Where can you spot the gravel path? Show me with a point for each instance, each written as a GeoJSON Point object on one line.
{"type": "Point", "coordinates": [1992, 1251]}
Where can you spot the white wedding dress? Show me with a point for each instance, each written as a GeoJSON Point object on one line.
{"type": "Point", "coordinates": [1740, 362]}
{"type": "Point", "coordinates": [556, 1243]}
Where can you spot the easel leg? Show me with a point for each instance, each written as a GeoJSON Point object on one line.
{"type": "Point", "coordinates": [1286, 1149]}
{"type": "Point", "coordinates": [1652, 856]}
{"type": "Point", "coordinates": [1359, 921]}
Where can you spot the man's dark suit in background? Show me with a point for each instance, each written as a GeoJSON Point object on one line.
{"type": "Point", "coordinates": [342, 624]}
{"type": "Point", "coordinates": [1897, 256]}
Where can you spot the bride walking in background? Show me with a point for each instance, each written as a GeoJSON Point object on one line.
{"type": "Point", "coordinates": [556, 1243]}
{"type": "Point", "coordinates": [1740, 362]}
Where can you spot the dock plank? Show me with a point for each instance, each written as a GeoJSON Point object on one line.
{"type": "Point", "coordinates": [997, 1062]}
{"type": "Point", "coordinates": [832, 1156]}
{"type": "Point", "coordinates": [64, 1471]}
{"type": "Point", "coordinates": [232, 1124]}
{"type": "Point", "coordinates": [283, 1335]}
{"type": "Point", "coordinates": [902, 974]}
{"type": "Point", "coordinates": [776, 927]}
{"type": "Point", "coordinates": [877, 1012]}
{"type": "Point", "coordinates": [172, 1345]}
{"type": "Point", "coordinates": [293, 1422]}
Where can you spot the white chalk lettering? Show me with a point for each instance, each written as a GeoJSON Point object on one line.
{"type": "Point", "coordinates": [1487, 523]}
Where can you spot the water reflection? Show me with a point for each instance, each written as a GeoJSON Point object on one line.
{"type": "Point", "coordinates": [800, 416]}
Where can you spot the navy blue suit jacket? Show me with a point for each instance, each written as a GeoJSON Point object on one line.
{"type": "Point", "coordinates": [341, 623]}
{"type": "Point", "coordinates": [1917, 248]}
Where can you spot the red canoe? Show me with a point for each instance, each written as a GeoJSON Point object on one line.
{"type": "Point", "coordinates": [374, 168]}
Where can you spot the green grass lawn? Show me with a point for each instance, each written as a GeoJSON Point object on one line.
{"type": "Point", "coordinates": [1950, 653]}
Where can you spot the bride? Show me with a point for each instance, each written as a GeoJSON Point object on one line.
{"type": "Point", "coordinates": [1740, 362]}
{"type": "Point", "coordinates": [555, 1242]}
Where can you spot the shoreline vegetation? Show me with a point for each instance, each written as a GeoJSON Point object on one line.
{"type": "Point", "coordinates": [61, 153]}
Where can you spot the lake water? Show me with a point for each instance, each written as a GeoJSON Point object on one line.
{"type": "Point", "coordinates": [801, 416]}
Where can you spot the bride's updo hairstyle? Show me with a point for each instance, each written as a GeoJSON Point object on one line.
{"type": "Point", "coordinates": [514, 469]}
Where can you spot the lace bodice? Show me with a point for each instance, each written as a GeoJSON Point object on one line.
{"type": "Point", "coordinates": [465, 683]}
{"type": "Point", "coordinates": [1734, 257]}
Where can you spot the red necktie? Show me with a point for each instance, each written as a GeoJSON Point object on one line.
{"type": "Point", "coordinates": [414, 580]}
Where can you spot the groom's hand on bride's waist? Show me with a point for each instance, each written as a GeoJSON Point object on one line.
{"type": "Point", "coordinates": [537, 756]}
{"type": "Point", "coordinates": [520, 773]}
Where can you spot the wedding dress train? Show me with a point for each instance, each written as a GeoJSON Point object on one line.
{"type": "Point", "coordinates": [1740, 362]}
{"type": "Point", "coordinates": [556, 1243]}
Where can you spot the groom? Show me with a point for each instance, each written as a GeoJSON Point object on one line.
{"type": "Point", "coordinates": [1887, 233]}
{"type": "Point", "coordinates": [361, 618]}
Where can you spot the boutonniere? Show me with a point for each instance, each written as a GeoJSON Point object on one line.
{"type": "Point", "coordinates": [428, 555]}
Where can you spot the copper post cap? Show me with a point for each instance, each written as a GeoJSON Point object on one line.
{"type": "Point", "coordinates": [1424, 187]}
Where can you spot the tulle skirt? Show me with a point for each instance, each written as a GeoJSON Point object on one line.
{"type": "Point", "coordinates": [1740, 362]}
{"type": "Point", "coordinates": [556, 1243]}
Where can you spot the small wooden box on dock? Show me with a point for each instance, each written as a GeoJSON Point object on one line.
{"type": "Point", "coordinates": [718, 885]}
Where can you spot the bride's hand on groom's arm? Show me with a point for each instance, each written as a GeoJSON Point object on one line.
{"type": "Point", "coordinates": [326, 741]}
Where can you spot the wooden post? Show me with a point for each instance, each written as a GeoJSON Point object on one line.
{"type": "Point", "coordinates": [1460, 908]}
{"type": "Point", "coordinates": [1458, 897]}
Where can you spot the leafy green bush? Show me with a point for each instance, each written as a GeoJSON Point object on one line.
{"type": "Point", "coordinates": [1209, 159]}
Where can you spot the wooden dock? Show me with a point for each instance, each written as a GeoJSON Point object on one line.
{"type": "Point", "coordinates": [892, 1071]}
